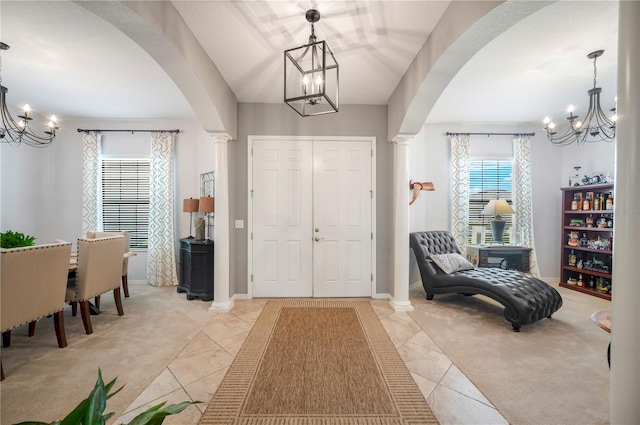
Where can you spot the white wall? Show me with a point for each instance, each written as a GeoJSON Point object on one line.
{"type": "Point", "coordinates": [42, 188]}
{"type": "Point", "coordinates": [429, 161]}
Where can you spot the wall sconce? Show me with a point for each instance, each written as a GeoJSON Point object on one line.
{"type": "Point", "coordinates": [417, 187]}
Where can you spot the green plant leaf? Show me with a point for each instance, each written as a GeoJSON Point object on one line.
{"type": "Point", "coordinates": [155, 415]}
{"type": "Point", "coordinates": [11, 239]}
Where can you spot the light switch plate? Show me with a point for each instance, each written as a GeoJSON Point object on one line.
{"type": "Point", "coordinates": [239, 224]}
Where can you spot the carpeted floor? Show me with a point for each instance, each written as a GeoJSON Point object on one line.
{"type": "Point", "coordinates": [308, 362]}
{"type": "Point", "coordinates": [553, 372]}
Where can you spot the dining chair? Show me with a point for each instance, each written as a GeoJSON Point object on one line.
{"type": "Point", "coordinates": [33, 283]}
{"type": "Point", "coordinates": [99, 270]}
{"type": "Point", "coordinates": [125, 261]}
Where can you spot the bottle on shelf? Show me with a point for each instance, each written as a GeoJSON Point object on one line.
{"type": "Point", "coordinates": [572, 259]}
{"type": "Point", "coordinates": [609, 204]}
{"type": "Point", "coordinates": [580, 281]}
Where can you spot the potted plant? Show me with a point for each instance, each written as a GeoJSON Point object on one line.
{"type": "Point", "coordinates": [11, 239]}
{"type": "Point", "coordinates": [90, 410]}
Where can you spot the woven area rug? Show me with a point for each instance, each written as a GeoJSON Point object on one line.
{"type": "Point", "coordinates": [318, 363]}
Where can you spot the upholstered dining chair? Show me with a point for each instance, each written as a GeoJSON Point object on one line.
{"type": "Point", "coordinates": [99, 270]}
{"type": "Point", "coordinates": [125, 262]}
{"type": "Point", "coordinates": [33, 283]}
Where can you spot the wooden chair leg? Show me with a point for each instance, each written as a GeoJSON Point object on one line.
{"type": "Point", "coordinates": [86, 318]}
{"type": "Point", "coordinates": [6, 338]}
{"type": "Point", "coordinates": [32, 328]}
{"type": "Point", "coordinates": [97, 302]}
{"type": "Point", "coordinates": [125, 285]}
{"type": "Point", "coordinates": [74, 308]}
{"type": "Point", "coordinates": [58, 324]}
{"type": "Point", "coordinates": [118, 298]}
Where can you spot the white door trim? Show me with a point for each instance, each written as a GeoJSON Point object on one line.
{"type": "Point", "coordinates": [250, 142]}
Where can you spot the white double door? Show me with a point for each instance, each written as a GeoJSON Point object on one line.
{"type": "Point", "coordinates": [311, 218]}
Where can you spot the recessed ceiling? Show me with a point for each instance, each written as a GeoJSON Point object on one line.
{"type": "Point", "coordinates": [66, 60]}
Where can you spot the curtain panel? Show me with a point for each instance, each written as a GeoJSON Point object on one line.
{"type": "Point", "coordinates": [161, 260]}
{"type": "Point", "coordinates": [91, 182]}
{"type": "Point", "coordinates": [523, 197]}
{"type": "Point", "coordinates": [460, 190]}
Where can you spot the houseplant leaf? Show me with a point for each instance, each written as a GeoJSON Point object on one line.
{"type": "Point", "coordinates": [155, 415]}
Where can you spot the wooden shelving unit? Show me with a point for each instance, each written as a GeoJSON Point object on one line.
{"type": "Point", "coordinates": [593, 253]}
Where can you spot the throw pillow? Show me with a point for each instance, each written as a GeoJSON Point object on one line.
{"type": "Point", "coordinates": [451, 263]}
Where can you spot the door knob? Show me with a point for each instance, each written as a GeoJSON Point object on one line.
{"type": "Point", "coordinates": [317, 239]}
{"type": "Point", "coordinates": [317, 230]}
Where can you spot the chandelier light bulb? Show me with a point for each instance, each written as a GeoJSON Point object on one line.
{"type": "Point", "coordinates": [552, 126]}
{"type": "Point", "coordinates": [578, 124]}
{"type": "Point", "coordinates": [571, 109]}
{"type": "Point", "coordinates": [546, 120]}
{"type": "Point", "coordinates": [26, 108]}
{"type": "Point", "coordinates": [54, 118]}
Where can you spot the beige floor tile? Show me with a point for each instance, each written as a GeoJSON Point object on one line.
{"type": "Point", "coordinates": [234, 343]}
{"type": "Point", "coordinates": [190, 367]}
{"type": "Point", "coordinates": [424, 362]}
{"type": "Point", "coordinates": [249, 317]}
{"type": "Point", "coordinates": [400, 331]}
{"type": "Point", "coordinates": [457, 381]}
{"type": "Point", "coordinates": [426, 385]}
{"type": "Point", "coordinates": [453, 408]}
{"type": "Point", "coordinates": [225, 327]}
{"type": "Point", "coordinates": [241, 307]}
{"type": "Point", "coordinates": [424, 340]}
{"type": "Point", "coordinates": [164, 384]}
{"type": "Point", "coordinates": [203, 389]}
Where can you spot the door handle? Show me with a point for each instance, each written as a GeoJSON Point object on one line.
{"type": "Point", "coordinates": [318, 239]}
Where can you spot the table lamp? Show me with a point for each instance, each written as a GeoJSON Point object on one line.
{"type": "Point", "coordinates": [497, 208]}
{"type": "Point", "coordinates": [207, 205]}
{"type": "Point", "coordinates": [190, 205]}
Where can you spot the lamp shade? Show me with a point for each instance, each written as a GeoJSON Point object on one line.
{"type": "Point", "coordinates": [190, 205]}
{"type": "Point", "coordinates": [207, 204]}
{"type": "Point", "coordinates": [497, 207]}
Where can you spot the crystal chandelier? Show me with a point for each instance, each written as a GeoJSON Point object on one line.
{"type": "Point", "coordinates": [16, 133]}
{"type": "Point", "coordinates": [596, 126]}
{"type": "Point", "coordinates": [311, 75]}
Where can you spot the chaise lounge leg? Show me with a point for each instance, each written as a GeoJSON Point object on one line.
{"type": "Point", "coordinates": [32, 327]}
{"type": "Point", "coordinates": [6, 338]}
{"type": "Point", "coordinates": [58, 324]}
{"type": "Point", "coordinates": [86, 318]}
{"type": "Point", "coordinates": [516, 328]}
{"type": "Point", "coordinates": [429, 296]}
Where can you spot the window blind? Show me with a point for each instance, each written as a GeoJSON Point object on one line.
{"type": "Point", "coordinates": [125, 198]}
{"type": "Point", "coordinates": [488, 179]}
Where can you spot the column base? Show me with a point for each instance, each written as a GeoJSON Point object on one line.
{"type": "Point", "coordinates": [401, 305]}
{"type": "Point", "coordinates": [221, 307]}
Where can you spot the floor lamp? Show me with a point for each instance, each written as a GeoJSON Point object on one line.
{"type": "Point", "coordinates": [190, 205]}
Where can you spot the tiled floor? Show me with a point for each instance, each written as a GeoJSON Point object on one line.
{"type": "Point", "coordinates": [197, 371]}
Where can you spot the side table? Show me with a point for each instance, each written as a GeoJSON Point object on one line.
{"type": "Point", "coordinates": [511, 256]}
{"type": "Point", "coordinates": [196, 268]}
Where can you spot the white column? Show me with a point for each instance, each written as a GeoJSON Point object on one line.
{"type": "Point", "coordinates": [400, 300]}
{"type": "Point", "coordinates": [625, 321]}
{"type": "Point", "coordinates": [221, 260]}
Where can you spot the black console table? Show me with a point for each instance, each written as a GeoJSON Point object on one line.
{"type": "Point", "coordinates": [196, 268]}
{"type": "Point", "coordinates": [507, 256]}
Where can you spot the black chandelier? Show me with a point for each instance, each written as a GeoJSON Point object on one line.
{"type": "Point", "coordinates": [18, 132]}
{"type": "Point", "coordinates": [596, 126]}
{"type": "Point", "coordinates": [311, 75]}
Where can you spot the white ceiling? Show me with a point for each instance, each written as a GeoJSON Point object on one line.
{"type": "Point", "coordinates": [64, 59]}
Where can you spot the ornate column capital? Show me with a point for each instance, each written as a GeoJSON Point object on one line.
{"type": "Point", "coordinates": [402, 139]}
{"type": "Point", "coordinates": [220, 137]}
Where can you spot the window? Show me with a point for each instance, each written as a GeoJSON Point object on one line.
{"type": "Point", "coordinates": [488, 179]}
{"type": "Point", "coordinates": [125, 198]}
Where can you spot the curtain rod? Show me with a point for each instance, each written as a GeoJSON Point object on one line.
{"type": "Point", "coordinates": [490, 134]}
{"type": "Point", "coordinates": [82, 130]}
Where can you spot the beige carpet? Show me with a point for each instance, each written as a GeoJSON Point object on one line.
{"type": "Point", "coordinates": [552, 372]}
{"type": "Point", "coordinates": [318, 362]}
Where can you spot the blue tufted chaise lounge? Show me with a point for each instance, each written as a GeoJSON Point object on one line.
{"type": "Point", "coordinates": [526, 299]}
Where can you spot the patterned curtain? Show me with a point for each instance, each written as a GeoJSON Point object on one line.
{"type": "Point", "coordinates": [161, 261]}
{"type": "Point", "coordinates": [522, 197]}
{"type": "Point", "coordinates": [91, 182]}
{"type": "Point", "coordinates": [460, 190]}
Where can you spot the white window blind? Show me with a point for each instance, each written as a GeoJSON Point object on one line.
{"type": "Point", "coordinates": [125, 198]}
{"type": "Point", "coordinates": [488, 179]}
